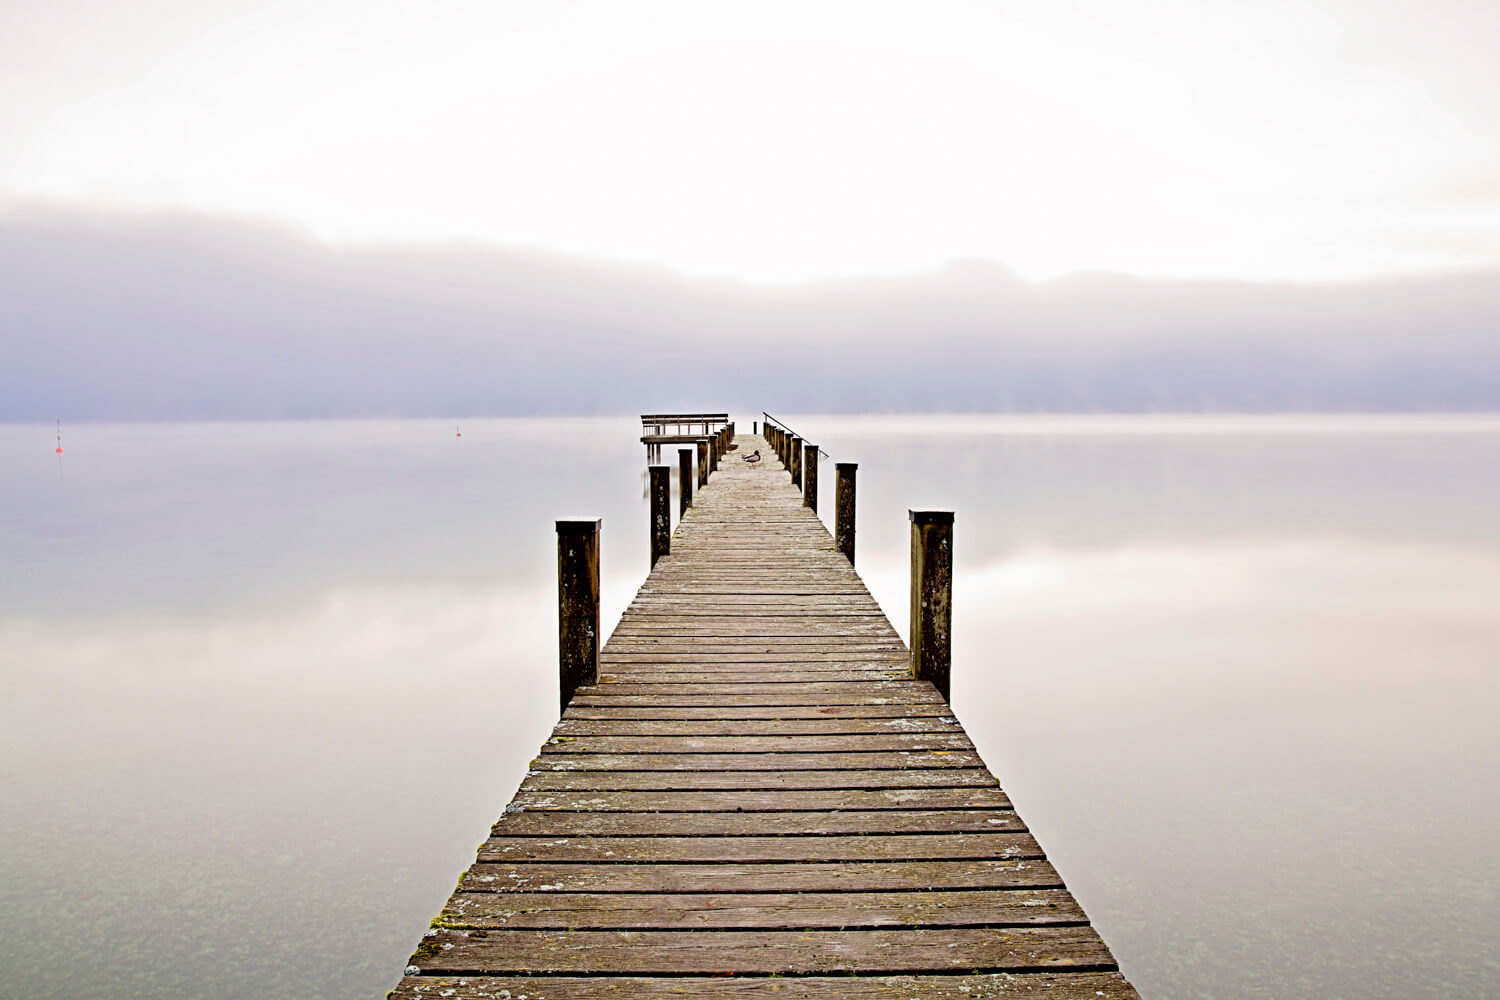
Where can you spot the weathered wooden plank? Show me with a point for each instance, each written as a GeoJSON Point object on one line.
{"type": "Point", "coordinates": [756, 664]}
{"type": "Point", "coordinates": [771, 780]}
{"type": "Point", "coordinates": [822, 725]}
{"type": "Point", "coordinates": [620, 823]}
{"type": "Point", "coordinates": [725, 672]}
{"type": "Point", "coordinates": [864, 876]}
{"type": "Point", "coordinates": [994, 986]}
{"type": "Point", "coordinates": [750, 802]}
{"type": "Point", "coordinates": [898, 759]}
{"type": "Point", "coordinates": [917, 691]}
{"type": "Point", "coordinates": [758, 850]}
{"type": "Point", "coordinates": [821, 743]}
{"type": "Point", "coordinates": [775, 712]}
{"type": "Point", "coordinates": [759, 911]}
{"type": "Point", "coordinates": [735, 952]}
{"type": "Point", "coordinates": [778, 695]}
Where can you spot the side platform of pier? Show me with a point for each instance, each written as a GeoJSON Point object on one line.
{"type": "Point", "coordinates": [757, 800]}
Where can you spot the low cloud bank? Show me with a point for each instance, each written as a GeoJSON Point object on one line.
{"type": "Point", "coordinates": [161, 317]}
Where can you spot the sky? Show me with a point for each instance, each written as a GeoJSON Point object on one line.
{"type": "Point", "coordinates": [770, 141]}
{"type": "Point", "coordinates": [252, 208]}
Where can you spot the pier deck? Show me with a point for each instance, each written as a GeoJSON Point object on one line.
{"type": "Point", "coordinates": [757, 801]}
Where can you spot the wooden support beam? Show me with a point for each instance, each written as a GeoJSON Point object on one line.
{"type": "Point", "coordinates": [702, 463]}
{"type": "Point", "coordinates": [843, 506]}
{"type": "Point", "coordinates": [932, 596]}
{"type": "Point", "coordinates": [661, 512]}
{"type": "Point", "coordinates": [794, 451]}
{"type": "Point", "coordinates": [810, 476]}
{"type": "Point", "coordinates": [577, 606]}
{"type": "Point", "coordinates": [684, 481]}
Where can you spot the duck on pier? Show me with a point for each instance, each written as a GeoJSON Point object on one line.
{"type": "Point", "coordinates": [752, 458]}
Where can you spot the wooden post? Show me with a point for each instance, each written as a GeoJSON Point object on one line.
{"type": "Point", "coordinates": [795, 451]}
{"type": "Point", "coordinates": [661, 512]}
{"type": "Point", "coordinates": [755, 427]}
{"type": "Point", "coordinates": [713, 454]}
{"type": "Point", "coordinates": [702, 462]}
{"type": "Point", "coordinates": [684, 481]}
{"type": "Point", "coordinates": [932, 596]}
{"type": "Point", "coordinates": [577, 607]}
{"type": "Point", "coordinates": [843, 507]}
{"type": "Point", "coordinates": [810, 476]}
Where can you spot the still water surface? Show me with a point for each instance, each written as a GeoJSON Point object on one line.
{"type": "Point", "coordinates": [263, 687]}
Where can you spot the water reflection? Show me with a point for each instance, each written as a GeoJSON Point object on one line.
{"type": "Point", "coordinates": [1240, 682]}
{"type": "Point", "coordinates": [263, 680]}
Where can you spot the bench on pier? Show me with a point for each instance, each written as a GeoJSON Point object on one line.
{"type": "Point", "coordinates": [658, 429]}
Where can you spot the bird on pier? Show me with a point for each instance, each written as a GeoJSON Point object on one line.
{"type": "Point", "coordinates": [752, 458]}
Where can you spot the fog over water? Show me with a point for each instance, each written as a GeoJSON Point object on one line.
{"type": "Point", "coordinates": [175, 316]}
{"type": "Point", "coordinates": [263, 680]}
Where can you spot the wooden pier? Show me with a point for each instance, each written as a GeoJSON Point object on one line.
{"type": "Point", "coordinates": [758, 800]}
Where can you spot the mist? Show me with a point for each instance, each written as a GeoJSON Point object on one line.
{"type": "Point", "coordinates": [175, 316]}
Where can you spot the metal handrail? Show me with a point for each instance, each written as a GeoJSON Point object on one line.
{"type": "Point", "coordinates": [783, 426]}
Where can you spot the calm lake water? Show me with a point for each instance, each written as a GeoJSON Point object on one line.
{"type": "Point", "coordinates": [264, 686]}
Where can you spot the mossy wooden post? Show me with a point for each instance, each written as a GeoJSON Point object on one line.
{"type": "Point", "coordinates": [661, 511]}
{"type": "Point", "coordinates": [810, 476]}
{"type": "Point", "coordinates": [684, 481]}
{"type": "Point", "coordinates": [843, 507]}
{"type": "Point", "coordinates": [702, 462]}
{"type": "Point", "coordinates": [713, 454]}
{"type": "Point", "coordinates": [932, 596]}
{"type": "Point", "coordinates": [795, 450]}
{"type": "Point", "coordinates": [577, 606]}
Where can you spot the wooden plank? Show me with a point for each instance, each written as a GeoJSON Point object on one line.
{"type": "Point", "coordinates": [821, 743]}
{"type": "Point", "coordinates": [702, 823]}
{"type": "Point", "coordinates": [822, 725]}
{"type": "Point", "coordinates": [759, 911]}
{"type": "Point", "coordinates": [771, 696]}
{"type": "Point", "coordinates": [916, 691]}
{"type": "Point", "coordinates": [673, 674]}
{"type": "Point", "coordinates": [899, 760]}
{"type": "Point", "coordinates": [773, 780]}
{"type": "Point", "coordinates": [758, 850]}
{"type": "Point", "coordinates": [677, 802]}
{"type": "Point", "coordinates": [735, 952]}
{"type": "Point", "coordinates": [865, 876]}
{"type": "Point", "coordinates": [885, 710]}
{"type": "Point", "coordinates": [996, 986]}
